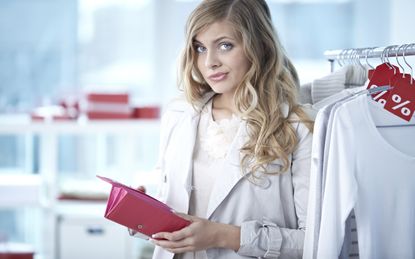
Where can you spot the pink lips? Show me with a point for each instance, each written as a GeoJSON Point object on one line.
{"type": "Point", "coordinates": [218, 77]}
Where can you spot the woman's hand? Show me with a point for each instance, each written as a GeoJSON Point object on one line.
{"type": "Point", "coordinates": [201, 234]}
{"type": "Point", "coordinates": [141, 188]}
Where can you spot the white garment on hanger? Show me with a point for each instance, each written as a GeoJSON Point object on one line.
{"type": "Point", "coordinates": [372, 175]}
{"type": "Point", "coordinates": [321, 142]}
{"type": "Point", "coordinates": [349, 76]}
{"type": "Point", "coordinates": [325, 90]}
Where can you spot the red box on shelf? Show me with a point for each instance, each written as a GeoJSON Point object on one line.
{"type": "Point", "coordinates": [149, 112]}
{"type": "Point", "coordinates": [16, 251]}
{"type": "Point", "coordinates": [107, 106]}
{"type": "Point", "coordinates": [16, 255]}
{"type": "Point", "coordinates": [96, 115]}
{"type": "Point", "coordinates": [108, 97]}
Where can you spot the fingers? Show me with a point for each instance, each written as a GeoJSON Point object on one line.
{"type": "Point", "coordinates": [141, 188]}
{"type": "Point", "coordinates": [184, 240]}
{"type": "Point", "coordinates": [185, 216]}
{"type": "Point", "coordinates": [174, 241]}
{"type": "Point", "coordinates": [181, 250]}
{"type": "Point", "coordinates": [173, 236]}
{"type": "Point", "coordinates": [175, 246]}
{"type": "Point", "coordinates": [167, 244]}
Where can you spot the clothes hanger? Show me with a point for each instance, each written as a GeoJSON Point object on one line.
{"type": "Point", "coordinates": [382, 74]}
{"type": "Point", "coordinates": [386, 57]}
{"type": "Point", "coordinates": [406, 62]}
{"type": "Point", "coordinates": [404, 46]}
{"type": "Point", "coordinates": [340, 57]}
{"type": "Point", "coordinates": [359, 56]}
{"type": "Point", "coordinates": [371, 69]}
{"type": "Point", "coordinates": [397, 59]}
{"type": "Point", "coordinates": [368, 51]}
{"type": "Point", "coordinates": [354, 59]}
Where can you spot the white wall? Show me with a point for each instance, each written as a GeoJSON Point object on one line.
{"type": "Point", "coordinates": [171, 17]}
{"type": "Point", "coordinates": [402, 21]}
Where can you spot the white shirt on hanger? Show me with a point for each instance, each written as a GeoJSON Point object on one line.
{"type": "Point", "coordinates": [369, 172]}
{"type": "Point", "coordinates": [321, 143]}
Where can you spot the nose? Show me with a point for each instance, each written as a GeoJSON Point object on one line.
{"type": "Point", "coordinates": [212, 60]}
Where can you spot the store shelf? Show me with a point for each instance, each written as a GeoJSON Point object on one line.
{"type": "Point", "coordinates": [20, 190]}
{"type": "Point", "coordinates": [23, 124]}
{"type": "Point", "coordinates": [62, 220]}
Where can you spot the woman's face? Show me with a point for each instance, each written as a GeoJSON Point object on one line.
{"type": "Point", "coordinates": [220, 58]}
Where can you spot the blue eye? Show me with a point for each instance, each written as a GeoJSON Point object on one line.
{"type": "Point", "coordinates": [200, 49]}
{"type": "Point", "coordinates": [226, 46]}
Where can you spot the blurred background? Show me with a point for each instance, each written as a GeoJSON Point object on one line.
{"type": "Point", "coordinates": [65, 65]}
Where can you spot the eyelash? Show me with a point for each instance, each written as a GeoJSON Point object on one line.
{"type": "Point", "coordinates": [226, 45]}
{"type": "Point", "coordinates": [223, 46]}
{"type": "Point", "coordinates": [200, 49]}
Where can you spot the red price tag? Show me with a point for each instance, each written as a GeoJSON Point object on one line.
{"type": "Point", "coordinates": [370, 73]}
{"type": "Point", "coordinates": [381, 76]}
{"type": "Point", "coordinates": [401, 101]}
{"type": "Point", "coordinates": [394, 82]}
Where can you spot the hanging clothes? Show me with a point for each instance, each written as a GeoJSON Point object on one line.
{"type": "Point", "coordinates": [320, 145]}
{"type": "Point", "coordinates": [344, 126]}
{"type": "Point", "coordinates": [349, 76]}
{"type": "Point", "coordinates": [361, 200]}
{"type": "Point", "coordinates": [372, 175]}
{"type": "Point", "coordinates": [325, 90]}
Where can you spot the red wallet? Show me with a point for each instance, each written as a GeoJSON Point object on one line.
{"type": "Point", "coordinates": [139, 211]}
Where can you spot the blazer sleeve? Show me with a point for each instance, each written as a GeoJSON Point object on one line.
{"type": "Point", "coordinates": [262, 238]}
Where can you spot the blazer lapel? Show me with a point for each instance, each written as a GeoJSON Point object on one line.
{"type": "Point", "coordinates": [185, 141]}
{"type": "Point", "coordinates": [232, 172]}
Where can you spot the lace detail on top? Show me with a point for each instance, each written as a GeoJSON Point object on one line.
{"type": "Point", "coordinates": [219, 135]}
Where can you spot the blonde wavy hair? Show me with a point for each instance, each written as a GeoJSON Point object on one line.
{"type": "Point", "coordinates": [270, 84]}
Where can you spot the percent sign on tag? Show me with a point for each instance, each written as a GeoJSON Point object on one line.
{"type": "Point", "coordinates": [380, 97]}
{"type": "Point", "coordinates": [401, 101]}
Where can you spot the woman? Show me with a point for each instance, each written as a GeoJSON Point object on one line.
{"type": "Point", "coordinates": [235, 158]}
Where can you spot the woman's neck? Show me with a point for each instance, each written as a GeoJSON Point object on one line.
{"type": "Point", "coordinates": [223, 107]}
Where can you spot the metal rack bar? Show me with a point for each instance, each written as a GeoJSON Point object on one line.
{"type": "Point", "coordinates": [370, 52]}
{"type": "Point", "coordinates": [376, 52]}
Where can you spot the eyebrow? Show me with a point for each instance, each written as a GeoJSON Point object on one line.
{"type": "Point", "coordinates": [215, 41]}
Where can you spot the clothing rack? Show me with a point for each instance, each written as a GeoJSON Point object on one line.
{"type": "Point", "coordinates": [370, 52]}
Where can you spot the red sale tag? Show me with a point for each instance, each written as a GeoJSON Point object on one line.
{"type": "Point", "coordinates": [381, 76]}
{"type": "Point", "coordinates": [401, 101]}
{"type": "Point", "coordinates": [370, 73]}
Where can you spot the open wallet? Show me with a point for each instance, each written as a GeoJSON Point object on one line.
{"type": "Point", "coordinates": [140, 212]}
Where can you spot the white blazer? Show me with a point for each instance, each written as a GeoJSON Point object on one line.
{"type": "Point", "coordinates": [271, 213]}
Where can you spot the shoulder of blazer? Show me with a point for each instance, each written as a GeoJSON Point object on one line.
{"type": "Point", "coordinates": [298, 125]}
{"type": "Point", "coordinates": [180, 105]}
{"type": "Point", "coordinates": [173, 113]}
{"type": "Point", "coordinates": [176, 110]}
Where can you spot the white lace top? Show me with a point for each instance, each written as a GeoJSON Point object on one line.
{"type": "Point", "coordinates": [216, 139]}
